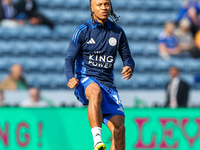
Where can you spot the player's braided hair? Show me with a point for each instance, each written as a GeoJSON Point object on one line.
{"type": "Point", "coordinates": [113, 16]}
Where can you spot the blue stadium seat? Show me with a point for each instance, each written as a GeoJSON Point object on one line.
{"type": "Point", "coordinates": [178, 62]}
{"type": "Point", "coordinates": [122, 4]}
{"type": "Point", "coordinates": [20, 48]}
{"type": "Point", "coordinates": [2, 76]}
{"type": "Point", "coordinates": [165, 5]}
{"type": "Point", "coordinates": [52, 15]}
{"type": "Point", "coordinates": [137, 48]}
{"type": "Point", "coordinates": [48, 65]}
{"type": "Point", "coordinates": [45, 81]}
{"type": "Point", "coordinates": [140, 81]}
{"type": "Point", "coordinates": [144, 64]}
{"type": "Point", "coordinates": [66, 17]}
{"type": "Point", "coordinates": [81, 16]}
{"type": "Point", "coordinates": [40, 81]}
{"type": "Point", "coordinates": [150, 4]}
{"type": "Point", "coordinates": [161, 18]}
{"type": "Point", "coordinates": [135, 4]}
{"type": "Point", "coordinates": [6, 48]}
{"type": "Point", "coordinates": [150, 49]}
{"type": "Point", "coordinates": [60, 64]}
{"type": "Point", "coordinates": [71, 4]}
{"type": "Point", "coordinates": [31, 80]}
{"type": "Point", "coordinates": [63, 32]}
{"type": "Point", "coordinates": [191, 65]}
{"type": "Point", "coordinates": [57, 3]}
{"type": "Point", "coordinates": [4, 65]}
{"type": "Point", "coordinates": [43, 3]}
{"type": "Point", "coordinates": [161, 65]}
{"type": "Point", "coordinates": [189, 78]}
{"type": "Point", "coordinates": [32, 64]}
{"type": "Point", "coordinates": [153, 33]}
{"type": "Point", "coordinates": [120, 82]}
{"type": "Point", "coordinates": [159, 80]}
{"type": "Point", "coordinates": [118, 64]}
{"type": "Point", "coordinates": [43, 32]}
{"type": "Point", "coordinates": [36, 48]}
{"type": "Point", "coordinates": [145, 18]}
{"type": "Point", "coordinates": [28, 32]}
{"type": "Point", "coordinates": [59, 81]}
{"type": "Point", "coordinates": [10, 33]}
{"type": "Point", "coordinates": [127, 18]}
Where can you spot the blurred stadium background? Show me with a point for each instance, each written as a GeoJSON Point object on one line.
{"type": "Point", "coordinates": [41, 51]}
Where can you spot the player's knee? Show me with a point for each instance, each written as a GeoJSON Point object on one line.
{"type": "Point", "coordinates": [119, 130]}
{"type": "Point", "coordinates": [96, 92]}
{"type": "Point", "coordinates": [96, 95]}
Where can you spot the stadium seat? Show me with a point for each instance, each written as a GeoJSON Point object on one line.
{"type": "Point", "coordinates": [72, 4]}
{"type": "Point", "coordinates": [153, 33]}
{"type": "Point", "coordinates": [165, 5]}
{"type": "Point", "coordinates": [137, 48]}
{"type": "Point", "coordinates": [66, 17]}
{"type": "Point", "coordinates": [144, 18]}
{"type": "Point", "coordinates": [161, 65]}
{"type": "Point", "coordinates": [36, 48]}
{"type": "Point", "coordinates": [3, 65]}
{"type": "Point", "coordinates": [10, 33]}
{"type": "Point", "coordinates": [118, 64]}
{"type": "Point", "coordinates": [161, 18]}
{"type": "Point", "coordinates": [144, 64]}
{"type": "Point", "coordinates": [189, 78]}
{"type": "Point", "coordinates": [191, 65]}
{"type": "Point", "coordinates": [19, 48]}
{"type": "Point", "coordinates": [2, 76]}
{"type": "Point", "coordinates": [140, 81]}
{"type": "Point", "coordinates": [59, 81]}
{"type": "Point", "coordinates": [159, 80]}
{"type": "Point", "coordinates": [28, 32]}
{"type": "Point", "coordinates": [45, 81]}
{"type": "Point", "coordinates": [135, 5]}
{"type": "Point", "coordinates": [32, 64]}
{"type": "Point", "coordinates": [43, 32]}
{"type": "Point", "coordinates": [150, 49]}
{"type": "Point", "coordinates": [122, 4]}
{"type": "Point", "coordinates": [65, 32]}
{"type": "Point", "coordinates": [52, 15]}
{"type": "Point", "coordinates": [150, 5]}
{"type": "Point", "coordinates": [127, 18]}
{"type": "Point", "coordinates": [6, 48]}
{"type": "Point", "coordinates": [120, 82]}
{"type": "Point", "coordinates": [42, 3]}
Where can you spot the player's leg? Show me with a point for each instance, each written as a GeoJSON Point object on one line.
{"type": "Point", "coordinates": [117, 128]}
{"type": "Point", "coordinates": [93, 94]}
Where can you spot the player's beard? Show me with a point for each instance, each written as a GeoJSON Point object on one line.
{"type": "Point", "coordinates": [103, 20]}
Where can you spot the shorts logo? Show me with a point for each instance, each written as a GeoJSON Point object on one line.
{"type": "Point", "coordinates": [112, 41]}
{"type": "Point", "coordinates": [85, 79]}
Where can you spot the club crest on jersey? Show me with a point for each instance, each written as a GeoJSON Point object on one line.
{"type": "Point", "coordinates": [112, 41]}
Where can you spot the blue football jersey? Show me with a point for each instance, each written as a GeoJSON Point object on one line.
{"type": "Point", "coordinates": [93, 50]}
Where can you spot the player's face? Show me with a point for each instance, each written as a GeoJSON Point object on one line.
{"type": "Point", "coordinates": [101, 9]}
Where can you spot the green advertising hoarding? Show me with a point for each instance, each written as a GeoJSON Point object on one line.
{"type": "Point", "coordinates": [68, 129]}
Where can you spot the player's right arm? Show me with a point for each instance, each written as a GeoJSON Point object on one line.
{"type": "Point", "coordinates": [72, 53]}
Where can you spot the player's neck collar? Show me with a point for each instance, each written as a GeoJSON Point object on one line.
{"type": "Point", "coordinates": [106, 24]}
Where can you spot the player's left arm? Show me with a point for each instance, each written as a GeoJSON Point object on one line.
{"type": "Point", "coordinates": [126, 57]}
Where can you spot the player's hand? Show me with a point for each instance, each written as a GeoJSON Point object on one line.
{"type": "Point", "coordinates": [127, 72]}
{"type": "Point", "coordinates": [73, 82]}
